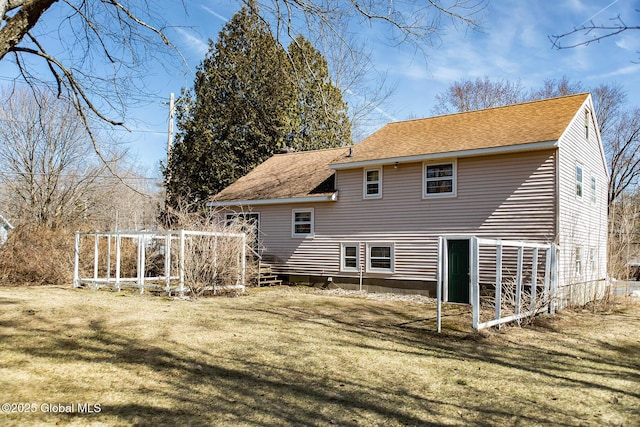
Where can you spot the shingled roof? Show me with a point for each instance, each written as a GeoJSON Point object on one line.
{"type": "Point", "coordinates": [309, 175]}
{"type": "Point", "coordinates": [526, 123]}
{"type": "Point", "coordinates": [299, 175]}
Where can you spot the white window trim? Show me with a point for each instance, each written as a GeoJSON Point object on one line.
{"type": "Point", "coordinates": [293, 223]}
{"type": "Point", "coordinates": [343, 246]}
{"type": "Point", "coordinates": [581, 182]}
{"type": "Point", "coordinates": [593, 262]}
{"type": "Point", "coordinates": [454, 178]}
{"type": "Point", "coordinates": [593, 188]}
{"type": "Point", "coordinates": [365, 182]}
{"type": "Point", "coordinates": [579, 262]}
{"type": "Point", "coordinates": [391, 254]}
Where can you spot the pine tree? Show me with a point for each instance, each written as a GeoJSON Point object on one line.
{"type": "Point", "coordinates": [250, 100]}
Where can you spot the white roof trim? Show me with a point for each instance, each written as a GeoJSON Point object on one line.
{"type": "Point", "coordinates": [436, 156]}
{"type": "Point", "coordinates": [324, 198]}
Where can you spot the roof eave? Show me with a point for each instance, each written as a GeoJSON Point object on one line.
{"type": "Point", "coordinates": [333, 197]}
{"type": "Point", "coordinates": [449, 154]}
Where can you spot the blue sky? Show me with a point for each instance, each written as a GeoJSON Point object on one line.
{"type": "Point", "coordinates": [513, 44]}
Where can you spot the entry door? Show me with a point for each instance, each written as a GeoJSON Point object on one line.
{"type": "Point", "coordinates": [458, 271]}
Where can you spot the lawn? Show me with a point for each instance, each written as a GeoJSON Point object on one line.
{"type": "Point", "coordinates": [289, 356]}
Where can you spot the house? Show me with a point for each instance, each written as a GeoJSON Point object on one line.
{"type": "Point", "coordinates": [5, 226]}
{"type": "Point", "coordinates": [373, 215]}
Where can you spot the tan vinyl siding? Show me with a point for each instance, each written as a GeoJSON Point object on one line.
{"type": "Point", "coordinates": [581, 222]}
{"type": "Point", "coordinates": [506, 196]}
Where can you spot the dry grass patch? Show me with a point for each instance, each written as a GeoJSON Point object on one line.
{"type": "Point", "coordinates": [295, 357]}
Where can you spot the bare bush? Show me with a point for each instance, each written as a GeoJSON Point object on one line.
{"type": "Point", "coordinates": [37, 256]}
{"type": "Point", "coordinates": [213, 262]}
{"type": "Point", "coordinates": [509, 302]}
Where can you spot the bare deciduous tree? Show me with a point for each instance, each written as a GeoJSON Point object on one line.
{"type": "Point", "coordinates": [478, 94]}
{"type": "Point", "coordinates": [591, 32]}
{"type": "Point", "coordinates": [46, 170]}
{"type": "Point", "coordinates": [623, 151]}
{"type": "Point", "coordinates": [94, 57]}
{"type": "Point", "coordinates": [122, 33]}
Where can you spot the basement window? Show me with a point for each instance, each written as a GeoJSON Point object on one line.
{"type": "Point", "coordinates": [380, 257]}
{"type": "Point", "coordinates": [578, 270]}
{"type": "Point", "coordinates": [350, 261]}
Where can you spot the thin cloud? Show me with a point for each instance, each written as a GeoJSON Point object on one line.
{"type": "Point", "coordinates": [193, 42]}
{"type": "Point", "coordinates": [214, 13]}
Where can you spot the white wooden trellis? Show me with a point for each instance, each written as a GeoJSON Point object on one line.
{"type": "Point", "coordinates": [550, 280]}
{"type": "Point", "coordinates": [172, 282]}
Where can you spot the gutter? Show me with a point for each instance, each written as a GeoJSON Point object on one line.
{"type": "Point", "coordinates": [447, 155]}
{"type": "Point", "coordinates": [333, 197]}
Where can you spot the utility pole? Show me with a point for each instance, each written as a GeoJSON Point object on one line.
{"type": "Point", "coordinates": [170, 138]}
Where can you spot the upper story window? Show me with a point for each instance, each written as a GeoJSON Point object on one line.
{"type": "Point", "coordinates": [440, 179]}
{"type": "Point", "coordinates": [594, 197]}
{"type": "Point", "coordinates": [302, 223]}
{"type": "Point", "coordinates": [579, 181]}
{"type": "Point", "coordinates": [587, 120]}
{"type": "Point", "coordinates": [373, 183]}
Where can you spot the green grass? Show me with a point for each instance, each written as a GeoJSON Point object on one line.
{"type": "Point", "coordinates": [286, 356]}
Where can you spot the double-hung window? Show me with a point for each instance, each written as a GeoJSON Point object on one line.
{"type": "Point", "coordinates": [373, 183]}
{"type": "Point", "coordinates": [350, 258]}
{"type": "Point", "coordinates": [302, 223]}
{"type": "Point", "coordinates": [578, 265]}
{"type": "Point", "coordinates": [579, 181]}
{"type": "Point", "coordinates": [439, 179]}
{"type": "Point", "coordinates": [594, 197]}
{"type": "Point", "coordinates": [380, 257]}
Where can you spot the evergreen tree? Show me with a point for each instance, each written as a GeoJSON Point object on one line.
{"type": "Point", "coordinates": [237, 114]}
{"type": "Point", "coordinates": [322, 114]}
{"type": "Point", "coordinates": [247, 104]}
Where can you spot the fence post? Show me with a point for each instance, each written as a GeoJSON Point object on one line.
{"type": "Point", "coordinates": [108, 258]}
{"type": "Point", "coordinates": [519, 280]}
{"type": "Point", "coordinates": [534, 279]}
{"type": "Point", "coordinates": [475, 282]}
{"type": "Point", "coordinates": [141, 262]}
{"type": "Point", "coordinates": [244, 257]}
{"type": "Point", "coordinates": [181, 263]}
{"type": "Point", "coordinates": [553, 285]}
{"type": "Point", "coordinates": [96, 251]}
{"type": "Point", "coordinates": [167, 261]}
{"type": "Point", "coordinates": [118, 245]}
{"type": "Point", "coordinates": [498, 290]}
{"type": "Point", "coordinates": [439, 279]}
{"type": "Point", "coordinates": [76, 265]}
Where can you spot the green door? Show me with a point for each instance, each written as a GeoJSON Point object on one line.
{"type": "Point", "coordinates": [458, 271]}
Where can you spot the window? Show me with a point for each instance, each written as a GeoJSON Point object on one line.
{"type": "Point", "coordinates": [350, 261]}
{"type": "Point", "coordinates": [302, 223]}
{"type": "Point", "coordinates": [372, 183]}
{"type": "Point", "coordinates": [578, 261]}
{"type": "Point", "coordinates": [440, 179]}
{"type": "Point", "coordinates": [249, 223]}
{"type": "Point", "coordinates": [592, 262]}
{"type": "Point", "coordinates": [587, 119]}
{"type": "Point", "coordinates": [579, 181]}
{"type": "Point", "coordinates": [594, 198]}
{"type": "Point", "coordinates": [380, 257]}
